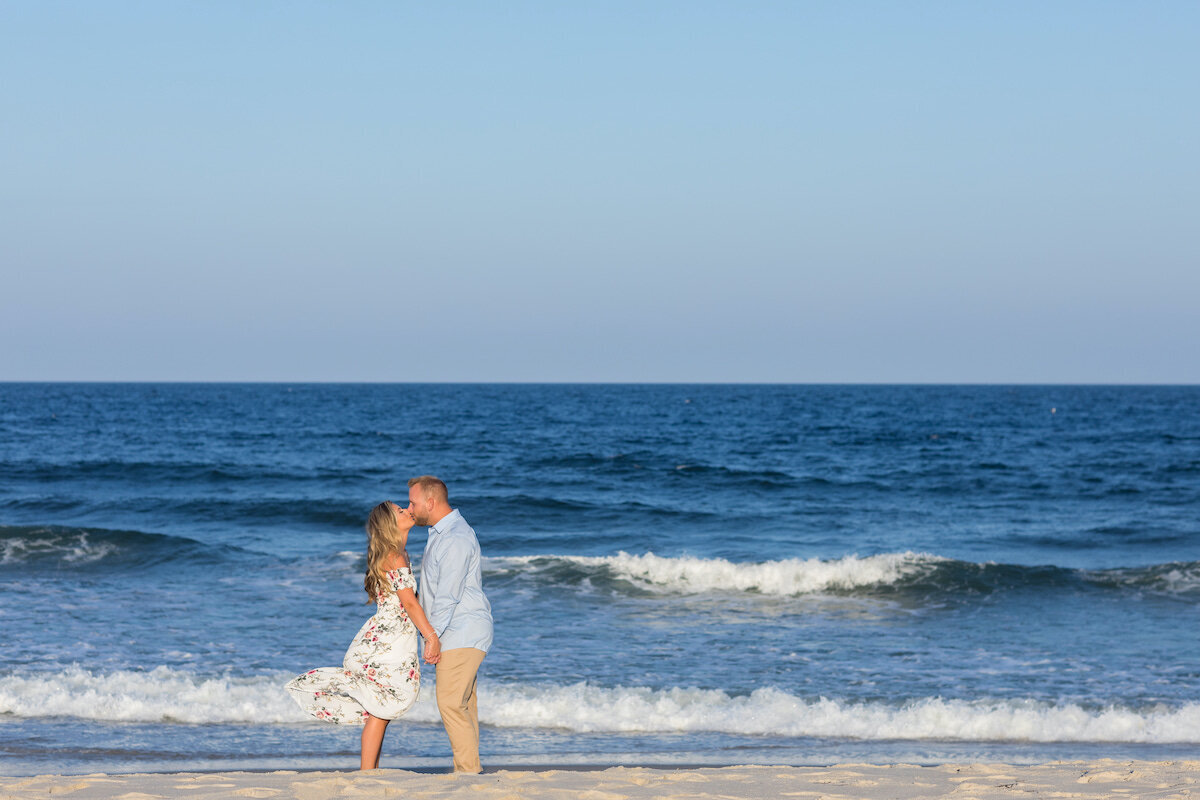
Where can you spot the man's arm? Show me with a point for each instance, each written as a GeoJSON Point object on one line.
{"type": "Point", "coordinates": [452, 562]}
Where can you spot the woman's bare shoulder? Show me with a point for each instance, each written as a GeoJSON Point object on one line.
{"type": "Point", "coordinates": [395, 561]}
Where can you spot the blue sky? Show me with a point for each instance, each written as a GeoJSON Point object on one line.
{"type": "Point", "coordinates": [646, 191]}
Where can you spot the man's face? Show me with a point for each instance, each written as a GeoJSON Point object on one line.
{"type": "Point", "coordinates": [418, 505]}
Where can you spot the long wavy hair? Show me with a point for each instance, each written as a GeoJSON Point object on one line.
{"type": "Point", "coordinates": [383, 538]}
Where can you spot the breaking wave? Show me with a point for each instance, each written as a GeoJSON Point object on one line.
{"type": "Point", "coordinates": [168, 695]}
{"type": "Point", "coordinates": [923, 575]}
{"type": "Point", "coordinates": [912, 573]}
{"type": "Point", "coordinates": [688, 575]}
{"type": "Point", "coordinates": [60, 547]}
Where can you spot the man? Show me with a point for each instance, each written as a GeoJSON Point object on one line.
{"type": "Point", "coordinates": [452, 597]}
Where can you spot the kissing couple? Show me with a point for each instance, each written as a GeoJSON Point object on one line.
{"type": "Point", "coordinates": [380, 675]}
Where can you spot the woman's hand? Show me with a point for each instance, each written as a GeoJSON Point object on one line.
{"type": "Point", "coordinates": [433, 650]}
{"type": "Point", "coordinates": [433, 647]}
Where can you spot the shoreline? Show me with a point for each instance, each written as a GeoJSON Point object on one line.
{"type": "Point", "coordinates": [1102, 778]}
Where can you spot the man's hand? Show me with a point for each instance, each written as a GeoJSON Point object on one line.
{"type": "Point", "coordinates": [433, 651]}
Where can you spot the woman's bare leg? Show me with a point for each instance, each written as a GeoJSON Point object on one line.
{"type": "Point", "coordinates": [372, 741]}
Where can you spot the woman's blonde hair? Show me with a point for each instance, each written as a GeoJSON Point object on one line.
{"type": "Point", "coordinates": [383, 539]}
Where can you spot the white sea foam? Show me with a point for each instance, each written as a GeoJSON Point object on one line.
{"type": "Point", "coordinates": [161, 694]}
{"type": "Point", "coordinates": [169, 695]}
{"type": "Point", "coordinates": [773, 712]}
{"type": "Point", "coordinates": [158, 695]}
{"type": "Point", "coordinates": [787, 577]}
{"type": "Point", "coordinates": [1181, 579]}
{"type": "Point", "coordinates": [71, 548]}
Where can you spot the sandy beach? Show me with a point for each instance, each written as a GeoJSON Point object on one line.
{"type": "Point", "coordinates": [1075, 779]}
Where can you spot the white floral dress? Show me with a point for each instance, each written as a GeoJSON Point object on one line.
{"type": "Point", "coordinates": [379, 674]}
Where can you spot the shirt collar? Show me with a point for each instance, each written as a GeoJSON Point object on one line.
{"type": "Point", "coordinates": [444, 523]}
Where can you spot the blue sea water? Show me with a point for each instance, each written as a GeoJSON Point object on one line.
{"type": "Point", "coordinates": [697, 574]}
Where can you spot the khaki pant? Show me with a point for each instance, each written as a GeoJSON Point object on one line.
{"type": "Point", "coordinates": [456, 702]}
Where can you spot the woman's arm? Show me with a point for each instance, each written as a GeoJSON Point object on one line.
{"type": "Point", "coordinates": [408, 599]}
{"type": "Point", "coordinates": [433, 647]}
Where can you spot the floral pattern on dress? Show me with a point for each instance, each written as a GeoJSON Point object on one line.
{"type": "Point", "coordinates": [380, 674]}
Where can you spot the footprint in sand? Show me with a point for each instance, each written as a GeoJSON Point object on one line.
{"type": "Point", "coordinates": [255, 791]}
{"type": "Point", "coordinates": [686, 777]}
{"type": "Point", "coordinates": [1116, 776]}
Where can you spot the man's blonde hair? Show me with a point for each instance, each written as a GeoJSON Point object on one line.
{"type": "Point", "coordinates": [433, 488]}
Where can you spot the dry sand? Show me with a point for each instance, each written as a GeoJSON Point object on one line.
{"type": "Point", "coordinates": [1075, 779]}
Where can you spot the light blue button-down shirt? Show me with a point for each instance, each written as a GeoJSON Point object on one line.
{"type": "Point", "coordinates": [452, 585]}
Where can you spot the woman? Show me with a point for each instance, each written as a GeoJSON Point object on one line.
{"type": "Point", "coordinates": [380, 677]}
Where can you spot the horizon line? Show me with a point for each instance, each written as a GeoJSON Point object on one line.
{"type": "Point", "coordinates": [280, 382]}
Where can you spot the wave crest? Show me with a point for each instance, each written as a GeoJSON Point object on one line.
{"type": "Point", "coordinates": [59, 547]}
{"type": "Point", "coordinates": [169, 695]}
{"type": "Point", "coordinates": [774, 712]}
{"type": "Point", "coordinates": [920, 575]}
{"type": "Point", "coordinates": [67, 546]}
{"type": "Point", "coordinates": [783, 578]}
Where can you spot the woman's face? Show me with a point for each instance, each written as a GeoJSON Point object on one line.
{"type": "Point", "coordinates": [404, 521]}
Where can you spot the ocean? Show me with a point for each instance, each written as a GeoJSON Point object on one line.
{"type": "Point", "coordinates": [680, 574]}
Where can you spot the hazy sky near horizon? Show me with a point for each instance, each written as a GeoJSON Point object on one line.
{"type": "Point", "coordinates": [618, 191]}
